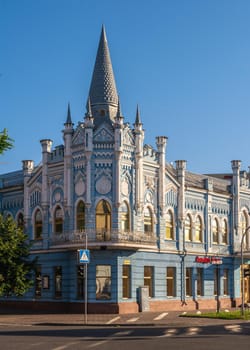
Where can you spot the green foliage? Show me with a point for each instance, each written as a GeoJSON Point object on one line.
{"type": "Point", "coordinates": [15, 266]}
{"type": "Point", "coordinates": [5, 141]}
{"type": "Point", "coordinates": [225, 315]}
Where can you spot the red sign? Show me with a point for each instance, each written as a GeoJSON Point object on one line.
{"type": "Point", "coordinates": [208, 260]}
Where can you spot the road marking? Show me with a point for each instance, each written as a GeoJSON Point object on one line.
{"type": "Point", "coordinates": [62, 347]}
{"type": "Point", "coordinates": [193, 330]}
{"type": "Point", "coordinates": [97, 344]}
{"type": "Point", "coordinates": [113, 320]}
{"type": "Point", "coordinates": [161, 316]}
{"type": "Point", "coordinates": [169, 333]}
{"type": "Point", "coordinates": [120, 334]}
{"type": "Point", "coordinates": [134, 319]}
{"type": "Point", "coordinates": [235, 328]}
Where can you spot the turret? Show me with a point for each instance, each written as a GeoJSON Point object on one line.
{"type": "Point", "coordinates": [67, 136]}
{"type": "Point", "coordinates": [89, 125]}
{"type": "Point", "coordinates": [236, 193]}
{"type": "Point", "coordinates": [118, 152]}
{"type": "Point", "coordinates": [139, 138]}
{"type": "Point", "coordinates": [28, 167]}
{"type": "Point", "coordinates": [161, 142]}
{"type": "Point", "coordinates": [46, 149]}
{"type": "Point", "coordinates": [180, 169]}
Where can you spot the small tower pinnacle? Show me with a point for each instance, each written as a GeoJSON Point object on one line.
{"type": "Point", "coordinates": [69, 120]}
{"type": "Point", "coordinates": [138, 117]}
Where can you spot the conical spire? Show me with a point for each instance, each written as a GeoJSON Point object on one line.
{"type": "Point", "coordinates": [138, 117]}
{"type": "Point", "coordinates": [89, 111]}
{"type": "Point", "coordinates": [103, 93]}
{"type": "Point", "coordinates": [119, 113]}
{"type": "Point", "coordinates": [69, 120]}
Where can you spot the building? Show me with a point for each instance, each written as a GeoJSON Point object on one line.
{"type": "Point", "coordinates": [159, 236]}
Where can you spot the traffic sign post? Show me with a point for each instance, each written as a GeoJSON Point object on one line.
{"type": "Point", "coordinates": [84, 258]}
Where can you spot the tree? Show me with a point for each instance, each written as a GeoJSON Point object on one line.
{"type": "Point", "coordinates": [15, 265]}
{"type": "Point", "coordinates": [5, 141]}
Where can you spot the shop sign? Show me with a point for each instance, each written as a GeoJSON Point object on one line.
{"type": "Point", "coordinates": [208, 260]}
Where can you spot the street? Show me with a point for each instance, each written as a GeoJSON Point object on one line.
{"type": "Point", "coordinates": [109, 338]}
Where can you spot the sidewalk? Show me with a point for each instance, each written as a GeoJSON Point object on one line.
{"type": "Point", "coordinates": [167, 319]}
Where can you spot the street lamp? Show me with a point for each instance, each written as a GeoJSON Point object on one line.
{"type": "Point", "coordinates": [242, 272]}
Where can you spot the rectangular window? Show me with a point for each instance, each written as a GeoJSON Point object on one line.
{"type": "Point", "coordinates": [126, 281]}
{"type": "Point", "coordinates": [58, 281]}
{"type": "Point", "coordinates": [80, 281]}
{"type": "Point", "coordinates": [38, 282]}
{"type": "Point", "coordinates": [189, 282]}
{"type": "Point", "coordinates": [225, 282]}
{"type": "Point", "coordinates": [103, 282]}
{"type": "Point", "coordinates": [170, 281]}
{"type": "Point", "coordinates": [148, 279]}
{"type": "Point", "coordinates": [200, 282]}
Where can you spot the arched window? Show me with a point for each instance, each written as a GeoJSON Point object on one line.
{"type": "Point", "coordinates": [80, 216]}
{"type": "Point", "coordinates": [103, 216]}
{"type": "Point", "coordinates": [58, 220]}
{"type": "Point", "coordinates": [38, 226]}
{"type": "Point", "coordinates": [20, 221]}
{"type": "Point", "coordinates": [169, 225]}
{"type": "Point", "coordinates": [243, 223]}
{"type": "Point", "coordinates": [215, 231]}
{"type": "Point", "coordinates": [188, 228]}
{"type": "Point", "coordinates": [198, 229]}
{"type": "Point", "coordinates": [148, 220]}
{"type": "Point", "coordinates": [224, 238]}
{"type": "Point", "coordinates": [125, 222]}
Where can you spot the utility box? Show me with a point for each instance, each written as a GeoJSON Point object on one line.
{"type": "Point", "coordinates": [144, 299]}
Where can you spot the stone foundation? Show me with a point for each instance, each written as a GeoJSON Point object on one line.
{"type": "Point", "coordinates": [115, 308]}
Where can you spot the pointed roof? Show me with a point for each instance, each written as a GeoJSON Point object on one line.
{"type": "Point", "coordinates": [89, 111]}
{"type": "Point", "coordinates": [138, 117]}
{"type": "Point", "coordinates": [69, 120]}
{"type": "Point", "coordinates": [103, 88]}
{"type": "Point", "coordinates": [119, 113]}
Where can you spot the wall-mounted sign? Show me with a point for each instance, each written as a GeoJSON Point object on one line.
{"type": "Point", "coordinates": [208, 260]}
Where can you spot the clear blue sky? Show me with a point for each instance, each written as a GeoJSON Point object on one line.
{"type": "Point", "coordinates": [185, 62]}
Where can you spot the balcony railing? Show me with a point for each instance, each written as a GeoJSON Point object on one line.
{"type": "Point", "coordinates": [97, 237]}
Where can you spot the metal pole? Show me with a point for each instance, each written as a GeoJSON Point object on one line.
{"type": "Point", "coordinates": [86, 284]}
{"type": "Point", "coordinates": [218, 288]}
{"type": "Point", "coordinates": [242, 273]}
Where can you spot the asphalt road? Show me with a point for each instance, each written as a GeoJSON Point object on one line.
{"type": "Point", "coordinates": [124, 338]}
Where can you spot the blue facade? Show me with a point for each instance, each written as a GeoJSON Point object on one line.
{"type": "Point", "coordinates": [145, 221]}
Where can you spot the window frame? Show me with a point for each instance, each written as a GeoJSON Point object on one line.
{"type": "Point", "coordinates": [198, 229]}
{"type": "Point", "coordinates": [80, 215]}
{"type": "Point", "coordinates": [149, 279]}
{"type": "Point", "coordinates": [188, 228]}
{"type": "Point", "coordinates": [58, 220]}
{"type": "Point", "coordinates": [171, 281]}
{"type": "Point", "coordinates": [169, 234]}
{"type": "Point", "coordinates": [103, 282]}
{"type": "Point", "coordinates": [38, 225]}
{"type": "Point", "coordinates": [148, 220]}
{"type": "Point", "coordinates": [126, 281]}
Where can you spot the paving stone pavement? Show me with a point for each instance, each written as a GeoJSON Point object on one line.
{"type": "Point", "coordinates": [140, 319]}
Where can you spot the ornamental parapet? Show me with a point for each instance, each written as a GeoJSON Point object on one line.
{"type": "Point", "coordinates": [99, 237]}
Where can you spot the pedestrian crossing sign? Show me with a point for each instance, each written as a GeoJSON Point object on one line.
{"type": "Point", "coordinates": [84, 256]}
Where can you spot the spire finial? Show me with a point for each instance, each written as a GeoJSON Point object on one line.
{"type": "Point", "coordinates": [119, 113]}
{"type": "Point", "coordinates": [68, 120]}
{"type": "Point", "coordinates": [89, 110]}
{"type": "Point", "coordinates": [138, 117]}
